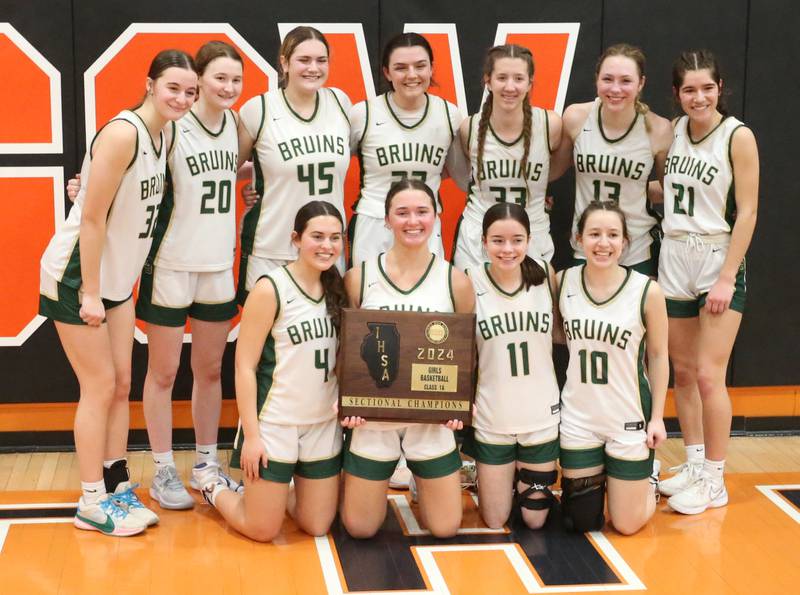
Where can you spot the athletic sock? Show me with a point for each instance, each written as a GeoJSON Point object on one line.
{"type": "Point", "coordinates": [115, 472]}
{"type": "Point", "coordinates": [215, 490]}
{"type": "Point", "coordinates": [93, 491]}
{"type": "Point", "coordinates": [205, 453]}
{"type": "Point", "coordinates": [163, 459]}
{"type": "Point", "coordinates": [714, 469]}
{"type": "Point", "coordinates": [695, 453]}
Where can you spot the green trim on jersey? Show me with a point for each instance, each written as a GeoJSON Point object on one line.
{"type": "Point", "coordinates": [709, 133]}
{"type": "Point", "coordinates": [152, 142]}
{"type": "Point", "coordinates": [730, 203]}
{"type": "Point", "coordinates": [263, 98]}
{"type": "Point", "coordinates": [174, 128]}
{"type": "Point", "coordinates": [366, 126]}
{"type": "Point", "coordinates": [300, 289]}
{"type": "Point", "coordinates": [163, 220]}
{"type": "Point", "coordinates": [71, 277]}
{"type": "Point", "coordinates": [450, 285]}
{"type": "Point", "coordinates": [363, 281]}
{"type": "Point", "coordinates": [339, 103]}
{"type": "Point", "coordinates": [499, 289]}
{"type": "Point", "coordinates": [449, 121]}
{"type": "Point", "coordinates": [645, 395]}
{"type": "Point", "coordinates": [298, 116]}
{"type": "Point", "coordinates": [250, 220]}
{"type": "Point", "coordinates": [396, 119]}
{"type": "Point", "coordinates": [135, 148]}
{"type": "Point", "coordinates": [642, 304]}
{"type": "Point", "coordinates": [547, 131]}
{"type": "Point", "coordinates": [501, 141]}
{"type": "Point", "coordinates": [469, 136]}
{"type": "Point", "coordinates": [203, 126]}
{"type": "Point", "coordinates": [602, 132]}
{"type": "Point", "coordinates": [614, 295]}
{"type": "Point", "coordinates": [264, 373]}
{"type": "Point", "coordinates": [416, 285]}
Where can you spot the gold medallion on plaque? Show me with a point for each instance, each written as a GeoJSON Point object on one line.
{"type": "Point", "coordinates": [437, 332]}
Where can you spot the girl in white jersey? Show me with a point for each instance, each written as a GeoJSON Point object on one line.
{"type": "Point", "coordinates": [515, 427]}
{"type": "Point", "coordinates": [614, 143]}
{"type": "Point", "coordinates": [710, 203]}
{"type": "Point", "coordinates": [509, 148]}
{"type": "Point", "coordinates": [88, 273]}
{"type": "Point", "coordinates": [189, 271]}
{"type": "Point", "coordinates": [403, 133]}
{"type": "Point", "coordinates": [613, 400]}
{"type": "Point", "coordinates": [299, 140]}
{"type": "Point", "coordinates": [407, 277]}
{"type": "Point", "coordinates": [286, 389]}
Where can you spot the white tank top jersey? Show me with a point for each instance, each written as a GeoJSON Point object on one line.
{"type": "Point", "coordinates": [698, 181]}
{"type": "Point", "coordinates": [500, 179]}
{"type": "Point", "coordinates": [432, 293]}
{"type": "Point", "coordinates": [197, 223]}
{"type": "Point", "coordinates": [296, 160]}
{"type": "Point", "coordinates": [616, 170]}
{"type": "Point", "coordinates": [130, 223]}
{"type": "Point", "coordinates": [296, 382]}
{"type": "Point", "coordinates": [391, 149]}
{"type": "Point", "coordinates": [607, 388]}
{"type": "Point", "coordinates": [517, 387]}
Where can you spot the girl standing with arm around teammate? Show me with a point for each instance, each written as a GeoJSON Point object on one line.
{"type": "Point", "coordinates": [88, 273]}
{"type": "Point", "coordinates": [189, 271]}
{"type": "Point", "coordinates": [404, 133]}
{"type": "Point", "coordinates": [614, 143]}
{"type": "Point", "coordinates": [286, 389]}
{"type": "Point", "coordinates": [298, 138]}
{"type": "Point", "coordinates": [710, 204]}
{"type": "Point", "coordinates": [515, 427]}
{"type": "Point", "coordinates": [615, 322]}
{"type": "Point", "coordinates": [509, 146]}
{"type": "Point", "coordinates": [407, 277]}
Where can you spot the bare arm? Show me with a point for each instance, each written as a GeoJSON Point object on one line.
{"type": "Point", "coordinates": [558, 327]}
{"type": "Point", "coordinates": [112, 153]}
{"type": "Point", "coordinates": [744, 155]}
{"type": "Point", "coordinates": [463, 294]}
{"type": "Point", "coordinates": [660, 141]}
{"type": "Point", "coordinates": [258, 316]}
{"type": "Point", "coordinates": [572, 120]}
{"type": "Point", "coordinates": [655, 316]}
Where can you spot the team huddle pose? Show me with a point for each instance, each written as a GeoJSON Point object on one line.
{"type": "Point", "coordinates": [171, 164]}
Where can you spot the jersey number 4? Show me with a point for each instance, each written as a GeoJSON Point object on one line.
{"type": "Point", "coordinates": [321, 361]}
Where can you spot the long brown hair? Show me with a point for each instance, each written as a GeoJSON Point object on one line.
{"type": "Point", "coordinates": [532, 271]}
{"type": "Point", "coordinates": [634, 53]}
{"type": "Point", "coordinates": [294, 38]}
{"type": "Point", "coordinates": [495, 53]}
{"type": "Point", "coordinates": [698, 60]}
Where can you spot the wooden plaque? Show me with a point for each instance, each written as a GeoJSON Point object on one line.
{"type": "Point", "coordinates": [407, 366]}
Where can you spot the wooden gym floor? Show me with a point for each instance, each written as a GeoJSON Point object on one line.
{"type": "Point", "coordinates": [751, 546]}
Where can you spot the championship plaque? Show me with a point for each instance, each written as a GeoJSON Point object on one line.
{"type": "Point", "coordinates": [407, 366]}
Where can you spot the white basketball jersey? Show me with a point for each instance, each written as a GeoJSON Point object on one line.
{"type": "Point", "coordinates": [197, 226]}
{"type": "Point", "coordinates": [500, 179]}
{"type": "Point", "coordinates": [296, 160]}
{"type": "Point", "coordinates": [607, 388]}
{"type": "Point", "coordinates": [295, 377]}
{"type": "Point", "coordinates": [517, 388]}
{"type": "Point", "coordinates": [130, 223]}
{"type": "Point", "coordinates": [615, 170]}
{"type": "Point", "coordinates": [698, 181]}
{"type": "Point", "coordinates": [432, 293]}
{"type": "Point", "coordinates": [390, 150]}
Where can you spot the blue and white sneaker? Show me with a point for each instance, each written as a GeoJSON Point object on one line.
{"type": "Point", "coordinates": [108, 518]}
{"type": "Point", "coordinates": [210, 472]}
{"type": "Point", "coordinates": [167, 489]}
{"type": "Point", "coordinates": [126, 498]}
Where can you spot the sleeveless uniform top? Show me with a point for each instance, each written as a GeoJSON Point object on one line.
{"type": "Point", "coordinates": [517, 388]}
{"type": "Point", "coordinates": [615, 170]}
{"type": "Point", "coordinates": [500, 179]}
{"type": "Point", "coordinates": [607, 389]}
{"type": "Point", "coordinates": [130, 223]}
{"type": "Point", "coordinates": [390, 150]}
{"type": "Point", "coordinates": [296, 382]}
{"type": "Point", "coordinates": [197, 221]}
{"type": "Point", "coordinates": [698, 181]}
{"type": "Point", "coordinates": [296, 160]}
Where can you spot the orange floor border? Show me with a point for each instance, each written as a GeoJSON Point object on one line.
{"type": "Point", "coordinates": [751, 401]}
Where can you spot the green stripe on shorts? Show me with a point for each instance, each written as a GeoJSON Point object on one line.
{"type": "Point", "coordinates": [630, 470]}
{"type": "Point", "coordinates": [319, 469]}
{"type": "Point", "coordinates": [438, 467]}
{"type": "Point", "coordinates": [582, 458]}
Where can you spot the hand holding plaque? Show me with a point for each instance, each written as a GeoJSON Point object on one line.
{"type": "Point", "coordinates": [407, 366]}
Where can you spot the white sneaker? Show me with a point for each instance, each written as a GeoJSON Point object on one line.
{"type": "Point", "coordinates": [685, 475]}
{"type": "Point", "coordinates": [108, 517]}
{"type": "Point", "coordinates": [702, 494]}
{"type": "Point", "coordinates": [167, 489]}
{"type": "Point", "coordinates": [401, 478]}
{"type": "Point", "coordinates": [126, 498]}
{"type": "Point", "coordinates": [210, 472]}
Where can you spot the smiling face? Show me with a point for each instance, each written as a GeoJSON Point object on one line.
{"type": "Point", "coordinates": [173, 92]}
{"type": "Point", "coordinates": [221, 83]}
{"type": "Point", "coordinates": [320, 243]}
{"type": "Point", "coordinates": [506, 243]}
{"type": "Point", "coordinates": [409, 72]}
{"type": "Point", "coordinates": [411, 217]}
{"type": "Point", "coordinates": [619, 83]}
{"type": "Point", "coordinates": [307, 67]}
{"type": "Point", "coordinates": [509, 83]}
{"type": "Point", "coordinates": [699, 95]}
{"type": "Point", "coordinates": [603, 238]}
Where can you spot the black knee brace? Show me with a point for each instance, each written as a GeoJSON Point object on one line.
{"type": "Point", "coordinates": [538, 482]}
{"type": "Point", "coordinates": [582, 501]}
